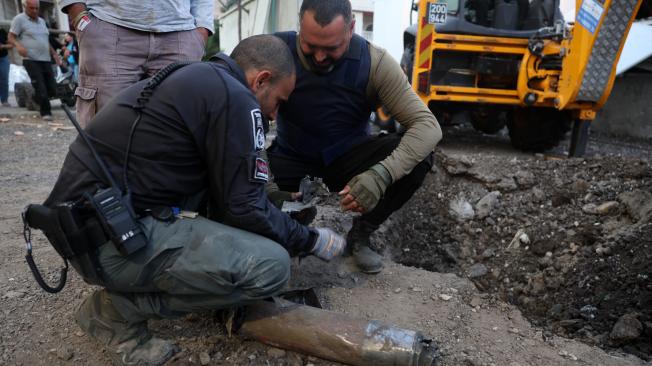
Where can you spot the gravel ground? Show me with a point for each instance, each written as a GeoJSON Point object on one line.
{"type": "Point", "coordinates": [502, 258]}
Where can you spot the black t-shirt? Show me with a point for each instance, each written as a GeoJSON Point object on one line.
{"type": "Point", "coordinates": [3, 40]}
{"type": "Point", "coordinates": [201, 131]}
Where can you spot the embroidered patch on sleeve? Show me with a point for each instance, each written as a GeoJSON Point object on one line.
{"type": "Point", "coordinates": [258, 129]}
{"type": "Point", "coordinates": [261, 170]}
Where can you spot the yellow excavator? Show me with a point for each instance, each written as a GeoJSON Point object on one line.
{"type": "Point", "coordinates": [519, 63]}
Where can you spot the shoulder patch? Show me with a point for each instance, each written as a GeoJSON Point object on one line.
{"type": "Point", "coordinates": [258, 129]}
{"type": "Point", "coordinates": [261, 170]}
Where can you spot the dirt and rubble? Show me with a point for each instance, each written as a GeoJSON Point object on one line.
{"type": "Point", "coordinates": [503, 258]}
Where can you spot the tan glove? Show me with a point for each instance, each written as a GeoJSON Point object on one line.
{"type": "Point", "coordinates": [366, 188]}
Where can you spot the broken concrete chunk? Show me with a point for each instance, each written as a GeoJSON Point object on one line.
{"type": "Point", "coordinates": [519, 238]}
{"type": "Point", "coordinates": [506, 184]}
{"type": "Point", "coordinates": [607, 207]}
{"type": "Point", "coordinates": [602, 209]}
{"type": "Point", "coordinates": [486, 204]}
{"type": "Point", "coordinates": [590, 208]}
{"type": "Point", "coordinates": [445, 297]}
{"type": "Point", "coordinates": [204, 358]}
{"type": "Point", "coordinates": [538, 195]}
{"type": "Point", "coordinates": [626, 329]}
{"type": "Point", "coordinates": [461, 210]}
{"type": "Point", "coordinates": [477, 270]}
{"type": "Point", "coordinates": [638, 204]}
{"type": "Point", "coordinates": [525, 178]}
{"type": "Point", "coordinates": [457, 165]}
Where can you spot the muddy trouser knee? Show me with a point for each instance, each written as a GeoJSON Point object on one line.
{"type": "Point", "coordinates": [192, 265]}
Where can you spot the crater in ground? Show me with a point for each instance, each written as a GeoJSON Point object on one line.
{"type": "Point", "coordinates": [568, 241]}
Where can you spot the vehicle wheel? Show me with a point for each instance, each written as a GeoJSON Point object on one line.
{"type": "Point", "coordinates": [538, 129]}
{"type": "Point", "coordinates": [384, 121]}
{"type": "Point", "coordinates": [488, 121]}
{"type": "Point", "coordinates": [21, 90]}
{"type": "Point", "coordinates": [69, 100]}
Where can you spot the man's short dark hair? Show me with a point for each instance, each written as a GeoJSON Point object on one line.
{"type": "Point", "coordinates": [264, 52]}
{"type": "Point", "coordinates": [327, 10]}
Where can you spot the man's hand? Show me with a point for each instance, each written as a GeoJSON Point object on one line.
{"type": "Point", "coordinates": [328, 244]}
{"type": "Point", "coordinates": [363, 191]}
{"type": "Point", "coordinates": [21, 50]}
{"type": "Point", "coordinates": [204, 34]}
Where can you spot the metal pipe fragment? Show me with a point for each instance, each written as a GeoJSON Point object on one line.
{"type": "Point", "coordinates": [337, 337]}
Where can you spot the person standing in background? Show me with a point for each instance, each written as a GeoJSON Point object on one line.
{"type": "Point", "coordinates": [4, 68]}
{"type": "Point", "coordinates": [29, 34]}
{"type": "Point", "coordinates": [71, 54]}
{"type": "Point", "coordinates": [152, 35]}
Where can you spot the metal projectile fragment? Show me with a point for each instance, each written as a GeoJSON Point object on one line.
{"type": "Point", "coordinates": [336, 337]}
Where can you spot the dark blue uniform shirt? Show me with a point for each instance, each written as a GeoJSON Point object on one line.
{"type": "Point", "coordinates": [201, 131]}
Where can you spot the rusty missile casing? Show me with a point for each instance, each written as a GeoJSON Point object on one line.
{"type": "Point", "coordinates": [337, 337]}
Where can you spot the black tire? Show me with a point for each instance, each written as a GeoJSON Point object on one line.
{"type": "Point", "coordinates": [69, 100]}
{"type": "Point", "coordinates": [20, 90]}
{"type": "Point", "coordinates": [384, 121]}
{"type": "Point", "coordinates": [25, 96]}
{"type": "Point", "coordinates": [538, 129]}
{"type": "Point", "coordinates": [488, 121]}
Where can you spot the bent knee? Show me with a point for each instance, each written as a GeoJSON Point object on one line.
{"type": "Point", "coordinates": [418, 174]}
{"type": "Point", "coordinates": [268, 275]}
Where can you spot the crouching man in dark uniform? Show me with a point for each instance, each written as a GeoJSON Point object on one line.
{"type": "Point", "coordinates": [198, 143]}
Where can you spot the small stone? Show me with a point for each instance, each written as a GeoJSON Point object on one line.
{"type": "Point", "coordinates": [79, 333]}
{"type": "Point", "coordinates": [488, 253]}
{"type": "Point", "coordinates": [590, 208]}
{"type": "Point", "coordinates": [276, 352]}
{"type": "Point", "coordinates": [475, 301]}
{"type": "Point", "coordinates": [204, 358]}
{"type": "Point", "coordinates": [294, 360]}
{"type": "Point", "coordinates": [627, 328]}
{"type": "Point", "coordinates": [65, 353]}
{"type": "Point", "coordinates": [538, 195]}
{"type": "Point", "coordinates": [461, 210]}
{"type": "Point", "coordinates": [417, 289]}
{"type": "Point", "coordinates": [251, 357]}
{"type": "Point", "coordinates": [519, 238]}
{"type": "Point", "coordinates": [606, 207]}
{"type": "Point", "coordinates": [397, 290]}
{"type": "Point", "coordinates": [445, 297]}
{"type": "Point", "coordinates": [19, 133]}
{"type": "Point", "coordinates": [13, 294]}
{"type": "Point", "coordinates": [525, 178]}
{"type": "Point", "coordinates": [570, 356]}
{"type": "Point", "coordinates": [604, 251]}
{"type": "Point", "coordinates": [486, 204]}
{"type": "Point", "coordinates": [477, 270]}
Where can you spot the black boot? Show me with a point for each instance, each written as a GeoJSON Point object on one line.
{"type": "Point", "coordinates": [358, 242]}
{"type": "Point", "coordinates": [126, 344]}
